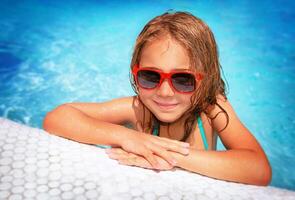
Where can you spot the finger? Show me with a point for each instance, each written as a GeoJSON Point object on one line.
{"type": "Point", "coordinates": [148, 155]}
{"type": "Point", "coordinates": [132, 161]}
{"type": "Point", "coordinates": [179, 143]}
{"type": "Point", "coordinates": [144, 164]}
{"type": "Point", "coordinates": [164, 165]}
{"type": "Point", "coordinates": [124, 161]}
{"type": "Point", "coordinates": [116, 151]}
{"type": "Point", "coordinates": [139, 162]}
{"type": "Point", "coordinates": [119, 153]}
{"type": "Point", "coordinates": [172, 146]}
{"type": "Point", "coordinates": [163, 153]}
{"type": "Point", "coordinates": [116, 156]}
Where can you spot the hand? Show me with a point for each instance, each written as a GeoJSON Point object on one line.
{"type": "Point", "coordinates": [131, 159]}
{"type": "Point", "coordinates": [148, 146]}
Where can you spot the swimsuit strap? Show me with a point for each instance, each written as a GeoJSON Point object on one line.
{"type": "Point", "coordinates": [200, 125]}
{"type": "Point", "coordinates": [156, 129]}
{"type": "Point", "coordinates": [156, 133]}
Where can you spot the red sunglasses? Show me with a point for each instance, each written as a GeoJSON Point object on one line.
{"type": "Point", "coordinates": [182, 81]}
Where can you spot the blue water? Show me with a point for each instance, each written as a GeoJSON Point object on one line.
{"type": "Point", "coordinates": [52, 52]}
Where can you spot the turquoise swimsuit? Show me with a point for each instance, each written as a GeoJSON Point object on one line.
{"type": "Point", "coordinates": [156, 133]}
{"type": "Point", "coordinates": [200, 125]}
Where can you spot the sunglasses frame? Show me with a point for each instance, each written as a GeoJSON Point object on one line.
{"type": "Point", "coordinates": [198, 76]}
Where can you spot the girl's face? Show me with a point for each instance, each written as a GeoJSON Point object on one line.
{"type": "Point", "coordinates": [164, 102]}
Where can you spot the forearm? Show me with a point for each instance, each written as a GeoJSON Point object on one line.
{"type": "Point", "coordinates": [71, 123]}
{"type": "Point", "coordinates": [242, 166]}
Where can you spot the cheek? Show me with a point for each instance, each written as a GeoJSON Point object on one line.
{"type": "Point", "coordinates": [146, 93]}
{"type": "Point", "coordinates": [185, 101]}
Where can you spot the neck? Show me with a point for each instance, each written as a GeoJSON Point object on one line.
{"type": "Point", "coordinates": [177, 123]}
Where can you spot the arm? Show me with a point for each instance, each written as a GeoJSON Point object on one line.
{"type": "Point", "coordinates": [225, 165]}
{"type": "Point", "coordinates": [127, 158]}
{"type": "Point", "coordinates": [244, 160]}
{"type": "Point", "coordinates": [99, 123]}
{"type": "Point", "coordinates": [92, 123]}
{"type": "Point", "coordinates": [243, 166]}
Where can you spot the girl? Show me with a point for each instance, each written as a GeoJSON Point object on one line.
{"type": "Point", "coordinates": [178, 112]}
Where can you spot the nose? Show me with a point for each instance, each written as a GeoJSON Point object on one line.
{"type": "Point", "coordinates": [165, 89]}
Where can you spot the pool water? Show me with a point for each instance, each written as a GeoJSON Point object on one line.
{"type": "Point", "coordinates": [52, 52]}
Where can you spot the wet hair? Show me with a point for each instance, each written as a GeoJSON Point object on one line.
{"type": "Point", "coordinates": [199, 42]}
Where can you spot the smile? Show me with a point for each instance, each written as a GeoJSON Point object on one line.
{"type": "Point", "coordinates": [166, 106]}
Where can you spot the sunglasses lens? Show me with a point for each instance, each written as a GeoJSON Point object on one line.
{"type": "Point", "coordinates": [148, 79]}
{"type": "Point", "coordinates": [183, 82]}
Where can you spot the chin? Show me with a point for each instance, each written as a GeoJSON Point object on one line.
{"type": "Point", "coordinates": [167, 117]}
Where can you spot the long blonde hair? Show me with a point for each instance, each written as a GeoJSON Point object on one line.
{"type": "Point", "coordinates": [196, 37]}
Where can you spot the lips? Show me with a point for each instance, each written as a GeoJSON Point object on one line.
{"type": "Point", "coordinates": [165, 105]}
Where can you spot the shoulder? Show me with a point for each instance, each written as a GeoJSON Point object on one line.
{"type": "Point", "coordinates": [126, 107]}
{"type": "Point", "coordinates": [130, 108]}
{"type": "Point", "coordinates": [222, 105]}
{"type": "Point", "coordinates": [222, 113]}
{"type": "Point", "coordinates": [232, 132]}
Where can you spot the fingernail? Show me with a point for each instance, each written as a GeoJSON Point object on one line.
{"type": "Point", "coordinates": [186, 151]}
{"type": "Point", "coordinates": [173, 162]}
{"type": "Point", "coordinates": [158, 166]}
{"type": "Point", "coordinates": [186, 144]}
